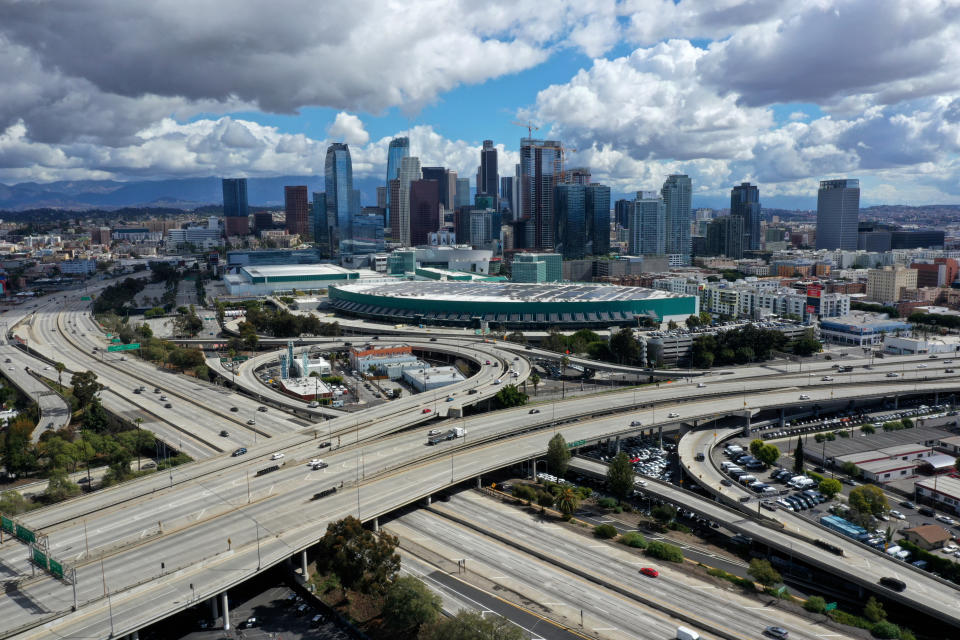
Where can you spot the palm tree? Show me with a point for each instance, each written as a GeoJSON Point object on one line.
{"type": "Point", "coordinates": [567, 501]}
{"type": "Point", "coordinates": [534, 380]}
{"type": "Point", "coordinates": [60, 367]}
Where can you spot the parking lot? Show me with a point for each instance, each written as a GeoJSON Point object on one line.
{"type": "Point", "coordinates": [646, 456]}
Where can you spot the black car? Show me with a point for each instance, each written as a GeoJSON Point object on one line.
{"type": "Point", "coordinates": [433, 339]}
{"type": "Point", "coordinates": [239, 452]}
{"type": "Point", "coordinates": [234, 409]}
{"type": "Point", "coordinates": [224, 433]}
{"type": "Point", "coordinates": [908, 504]}
{"type": "Point", "coordinates": [893, 583]}
{"type": "Point", "coordinates": [168, 406]}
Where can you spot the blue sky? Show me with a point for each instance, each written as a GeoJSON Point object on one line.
{"type": "Point", "coordinates": [781, 94]}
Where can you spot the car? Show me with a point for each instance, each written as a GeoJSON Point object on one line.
{"type": "Point", "coordinates": [224, 433]}
{"type": "Point", "coordinates": [486, 362]}
{"type": "Point", "coordinates": [163, 398]}
{"type": "Point", "coordinates": [948, 549]}
{"type": "Point", "coordinates": [725, 482]}
{"type": "Point", "coordinates": [137, 390]}
{"type": "Point", "coordinates": [168, 406]}
{"type": "Point", "coordinates": [239, 452]}
{"type": "Point", "coordinates": [893, 374]}
{"type": "Point", "coordinates": [449, 398]}
{"type": "Point", "coordinates": [249, 623]}
{"type": "Point", "coordinates": [427, 410]}
{"type": "Point", "coordinates": [252, 421]}
{"type": "Point", "coordinates": [908, 504]}
{"type": "Point", "coordinates": [433, 339]}
{"type": "Point", "coordinates": [234, 409]}
{"type": "Point", "coordinates": [497, 381]}
{"type": "Point", "coordinates": [896, 514]}
{"type": "Point", "coordinates": [921, 366]}
{"type": "Point", "coordinates": [768, 505]}
{"type": "Point", "coordinates": [948, 370]}
{"type": "Point", "coordinates": [650, 571]}
{"type": "Point", "coordinates": [945, 519]}
{"type": "Point", "coordinates": [434, 432]}
{"type": "Point", "coordinates": [7, 360]}
{"type": "Point", "coordinates": [827, 378]}
{"type": "Point", "coordinates": [932, 356]}
{"type": "Point", "coordinates": [262, 409]}
{"type": "Point", "coordinates": [534, 410]}
{"type": "Point", "coordinates": [635, 423]}
{"type": "Point", "coordinates": [277, 456]}
{"type": "Point", "coordinates": [701, 385]}
{"type": "Point", "coordinates": [893, 583]}
{"type": "Point", "coordinates": [804, 396]}
{"type": "Point", "coordinates": [777, 632]}
{"type": "Point", "coordinates": [673, 415]}
{"type": "Point", "coordinates": [313, 404]}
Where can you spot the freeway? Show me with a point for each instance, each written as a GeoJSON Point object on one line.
{"type": "Point", "coordinates": [859, 566]}
{"type": "Point", "coordinates": [210, 521]}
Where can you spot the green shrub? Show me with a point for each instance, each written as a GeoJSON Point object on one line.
{"type": "Point", "coordinates": [607, 503]}
{"type": "Point", "coordinates": [815, 604]}
{"type": "Point", "coordinates": [884, 629]}
{"type": "Point", "coordinates": [843, 434]}
{"type": "Point", "coordinates": [850, 620]}
{"type": "Point", "coordinates": [816, 476]}
{"type": "Point", "coordinates": [664, 551]}
{"type": "Point", "coordinates": [633, 539]}
{"type": "Point", "coordinates": [605, 531]}
{"type": "Point", "coordinates": [524, 492]}
{"type": "Point", "coordinates": [585, 492]}
{"type": "Point", "coordinates": [906, 634]}
{"type": "Point", "coordinates": [676, 526]}
{"type": "Point", "coordinates": [868, 428]}
{"type": "Point", "coordinates": [907, 423]}
{"type": "Point", "coordinates": [618, 509]}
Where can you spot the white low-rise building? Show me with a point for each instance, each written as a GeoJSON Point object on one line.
{"type": "Point", "coordinates": [905, 345]}
{"type": "Point", "coordinates": [428, 378]}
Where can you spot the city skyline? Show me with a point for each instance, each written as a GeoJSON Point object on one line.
{"type": "Point", "coordinates": [642, 91]}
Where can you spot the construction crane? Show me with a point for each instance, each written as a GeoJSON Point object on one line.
{"type": "Point", "coordinates": [530, 127]}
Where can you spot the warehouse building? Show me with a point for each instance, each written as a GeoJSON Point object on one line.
{"type": "Point", "coordinates": [429, 378]}
{"type": "Point", "coordinates": [509, 304]}
{"type": "Point", "coordinates": [265, 280]}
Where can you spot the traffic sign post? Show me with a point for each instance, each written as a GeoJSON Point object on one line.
{"type": "Point", "coordinates": [133, 346]}
{"type": "Point", "coordinates": [830, 606]}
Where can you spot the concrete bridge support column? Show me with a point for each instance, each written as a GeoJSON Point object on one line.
{"type": "Point", "coordinates": [226, 611]}
{"type": "Point", "coordinates": [376, 525]}
{"type": "Point", "coordinates": [303, 564]}
{"type": "Point", "coordinates": [426, 501]}
{"type": "Point", "coordinates": [896, 402]}
{"type": "Point", "coordinates": [781, 421]}
{"type": "Point", "coordinates": [479, 482]}
{"type": "Point", "coordinates": [214, 610]}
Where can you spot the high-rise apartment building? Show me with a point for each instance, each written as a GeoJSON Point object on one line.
{"type": "Point", "coordinates": [400, 198]}
{"type": "Point", "coordinates": [597, 214]}
{"type": "Point", "coordinates": [838, 214]}
{"type": "Point", "coordinates": [540, 162]}
{"type": "Point", "coordinates": [236, 220]}
{"type": "Point", "coordinates": [725, 237]}
{"type": "Point", "coordinates": [399, 148]}
{"type": "Point", "coordinates": [342, 202]}
{"type": "Point", "coordinates": [648, 225]}
{"type": "Point", "coordinates": [622, 212]}
{"type": "Point", "coordinates": [295, 204]}
{"type": "Point", "coordinates": [569, 220]}
{"type": "Point", "coordinates": [886, 285]}
{"type": "Point", "coordinates": [425, 215]}
{"type": "Point", "coordinates": [676, 194]}
{"type": "Point", "coordinates": [488, 180]}
{"type": "Point", "coordinates": [745, 204]}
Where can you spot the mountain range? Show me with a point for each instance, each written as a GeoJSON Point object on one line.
{"type": "Point", "coordinates": [188, 193]}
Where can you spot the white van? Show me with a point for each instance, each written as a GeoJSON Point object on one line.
{"type": "Point", "coordinates": [336, 404]}
{"type": "Point", "coordinates": [726, 464]}
{"type": "Point", "coordinates": [687, 634]}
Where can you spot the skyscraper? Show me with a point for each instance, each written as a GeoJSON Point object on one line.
{"type": "Point", "coordinates": [321, 231]}
{"type": "Point", "coordinates": [577, 175]}
{"type": "Point", "coordinates": [745, 204]}
{"type": "Point", "coordinates": [400, 197]}
{"type": "Point", "coordinates": [424, 210]}
{"type": "Point", "coordinates": [622, 211]}
{"type": "Point", "coordinates": [488, 180]}
{"type": "Point", "coordinates": [597, 215]}
{"type": "Point", "coordinates": [838, 214]}
{"type": "Point", "coordinates": [569, 221]}
{"type": "Point", "coordinates": [725, 237]}
{"type": "Point", "coordinates": [648, 236]}
{"type": "Point", "coordinates": [440, 175]}
{"type": "Point", "coordinates": [295, 205]}
{"type": "Point", "coordinates": [463, 193]}
{"type": "Point", "coordinates": [676, 193]}
{"type": "Point", "coordinates": [399, 148]}
{"type": "Point", "coordinates": [539, 170]}
{"type": "Point", "coordinates": [236, 221]}
{"type": "Point", "coordinates": [506, 193]}
{"type": "Point", "coordinates": [338, 179]}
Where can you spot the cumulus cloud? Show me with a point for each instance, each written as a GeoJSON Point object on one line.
{"type": "Point", "coordinates": [348, 128]}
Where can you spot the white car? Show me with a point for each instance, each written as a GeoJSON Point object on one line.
{"type": "Point", "coordinates": [804, 396]}
{"type": "Point", "coordinates": [827, 378]}
{"type": "Point", "coordinates": [896, 514]}
{"type": "Point", "coordinates": [946, 520]}
{"type": "Point", "coordinates": [701, 385]}
{"type": "Point", "coordinates": [673, 415]}
{"type": "Point", "coordinates": [277, 456]}
{"type": "Point", "coordinates": [949, 548]}
{"type": "Point", "coordinates": [921, 366]}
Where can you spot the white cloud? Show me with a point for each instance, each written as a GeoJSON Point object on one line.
{"type": "Point", "coordinates": [348, 128]}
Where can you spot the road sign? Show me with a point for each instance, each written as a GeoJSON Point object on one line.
{"type": "Point", "coordinates": [39, 558]}
{"type": "Point", "coordinates": [830, 606]}
{"type": "Point", "coordinates": [241, 358]}
{"type": "Point", "coordinates": [56, 569]}
{"type": "Point", "coordinates": [576, 443]}
{"type": "Point", "coordinates": [124, 347]}
{"type": "Point", "coordinates": [115, 340]}
{"type": "Point", "coordinates": [7, 525]}
{"type": "Point", "coordinates": [25, 534]}
{"type": "Point", "coordinates": [85, 298]}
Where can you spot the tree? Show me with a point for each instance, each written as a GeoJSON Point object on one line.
{"type": "Point", "coordinates": [567, 501]}
{"type": "Point", "coordinates": [471, 625]}
{"type": "Point", "coordinates": [545, 499]}
{"type": "Point", "coordinates": [409, 604]}
{"type": "Point", "coordinates": [534, 380]}
{"type": "Point", "coordinates": [620, 476]}
{"type": "Point", "coordinates": [868, 500]}
{"type": "Point", "coordinates": [755, 445]}
{"type": "Point", "coordinates": [705, 318]}
{"type": "Point", "coordinates": [558, 455]}
{"type": "Point", "coordinates": [830, 487]}
{"type": "Point", "coordinates": [95, 416]}
{"type": "Point", "coordinates": [13, 503]}
{"type": "Point", "coordinates": [59, 487]}
{"type": "Point", "coordinates": [60, 367]}
{"type": "Point", "coordinates": [798, 457]}
{"type": "Point", "coordinates": [693, 322]}
{"type": "Point", "coordinates": [663, 513]}
{"type": "Point", "coordinates": [873, 610]}
{"type": "Point", "coordinates": [768, 454]}
{"type": "Point", "coordinates": [19, 454]}
{"type": "Point", "coordinates": [763, 572]}
{"type": "Point", "coordinates": [510, 396]}
{"type": "Point", "coordinates": [516, 337]}
{"type": "Point", "coordinates": [816, 604]}
{"type": "Point", "coordinates": [625, 346]}
{"type": "Point", "coordinates": [85, 386]}
{"type": "Point", "coordinates": [361, 559]}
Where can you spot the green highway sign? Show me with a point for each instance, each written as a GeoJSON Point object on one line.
{"type": "Point", "coordinates": [56, 569]}
{"type": "Point", "coordinates": [576, 443]}
{"type": "Point", "coordinates": [85, 298]}
{"type": "Point", "coordinates": [124, 347]}
{"type": "Point", "coordinates": [830, 606]}
{"type": "Point", "coordinates": [115, 340]}
{"type": "Point", "coordinates": [241, 358]}
{"type": "Point", "coordinates": [25, 534]}
{"type": "Point", "coordinates": [39, 558]}
{"type": "Point", "coordinates": [7, 525]}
